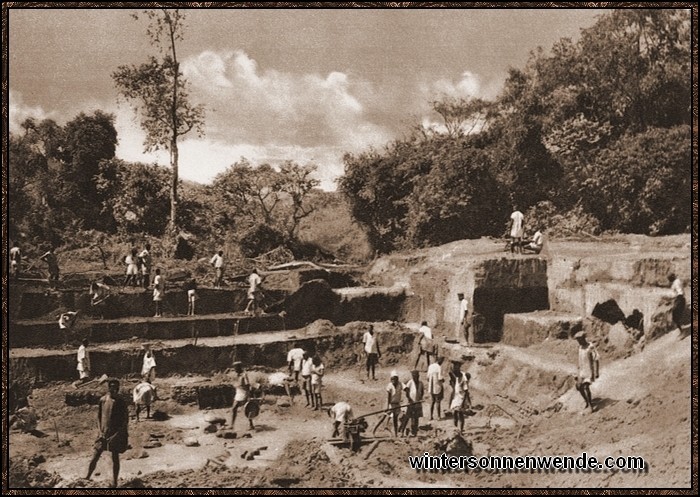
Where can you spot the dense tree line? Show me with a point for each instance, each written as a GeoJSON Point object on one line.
{"type": "Point", "coordinates": [65, 180]}
{"type": "Point", "coordinates": [594, 135]}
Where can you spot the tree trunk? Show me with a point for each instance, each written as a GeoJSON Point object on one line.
{"type": "Point", "coordinates": [174, 153]}
{"type": "Point", "coordinates": [174, 157]}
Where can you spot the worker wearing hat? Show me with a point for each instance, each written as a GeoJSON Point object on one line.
{"type": "Point", "coordinates": [588, 364]}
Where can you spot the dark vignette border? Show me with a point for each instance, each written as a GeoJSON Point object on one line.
{"type": "Point", "coordinates": [301, 491]}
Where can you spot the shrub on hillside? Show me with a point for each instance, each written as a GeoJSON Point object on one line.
{"type": "Point", "coordinates": [260, 239]}
{"type": "Point", "coordinates": [545, 215]}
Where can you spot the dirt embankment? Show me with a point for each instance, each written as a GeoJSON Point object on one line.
{"type": "Point", "coordinates": [525, 405]}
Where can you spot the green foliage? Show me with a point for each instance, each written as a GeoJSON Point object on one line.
{"type": "Point", "coordinates": [332, 228]}
{"type": "Point", "coordinates": [137, 196]}
{"type": "Point", "coordinates": [640, 184]}
{"type": "Point", "coordinates": [593, 134]}
{"type": "Point", "coordinates": [263, 195]}
{"type": "Point", "coordinates": [260, 239]}
{"type": "Point", "coordinates": [458, 199]}
{"type": "Point", "coordinates": [150, 87]}
{"type": "Point", "coordinates": [87, 141]}
{"type": "Point", "coordinates": [545, 216]}
{"type": "Point", "coordinates": [377, 185]}
{"type": "Point", "coordinates": [52, 176]}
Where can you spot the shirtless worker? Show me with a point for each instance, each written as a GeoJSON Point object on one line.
{"type": "Point", "coordinates": [113, 422]}
{"type": "Point", "coordinates": [15, 261]}
{"type": "Point", "coordinates": [242, 385]}
{"type": "Point", "coordinates": [52, 261]}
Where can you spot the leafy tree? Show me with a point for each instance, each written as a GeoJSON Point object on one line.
{"type": "Point", "coordinates": [519, 158]}
{"type": "Point", "coordinates": [640, 184]}
{"type": "Point", "coordinates": [461, 116]}
{"type": "Point", "coordinates": [637, 64]}
{"type": "Point", "coordinates": [137, 196]}
{"type": "Point", "coordinates": [458, 199]}
{"type": "Point", "coordinates": [88, 139]}
{"type": "Point", "coordinates": [263, 195]}
{"type": "Point", "coordinates": [296, 182]}
{"type": "Point", "coordinates": [253, 192]}
{"type": "Point", "coordinates": [259, 239]}
{"type": "Point", "coordinates": [52, 175]}
{"type": "Point", "coordinates": [376, 185]}
{"type": "Point", "coordinates": [159, 93]}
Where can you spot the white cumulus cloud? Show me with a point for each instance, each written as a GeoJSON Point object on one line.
{"type": "Point", "coordinates": [469, 86]}
{"type": "Point", "coordinates": [20, 111]}
{"type": "Point", "coordinates": [263, 106]}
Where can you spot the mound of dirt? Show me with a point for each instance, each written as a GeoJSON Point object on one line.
{"type": "Point", "coordinates": [25, 473]}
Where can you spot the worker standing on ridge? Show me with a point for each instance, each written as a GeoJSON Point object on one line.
{"type": "Point", "coordinates": [371, 348]}
{"type": "Point", "coordinates": [463, 326]}
{"type": "Point", "coordinates": [516, 231]}
{"type": "Point", "coordinates": [218, 262]}
{"type": "Point", "coordinates": [254, 281]}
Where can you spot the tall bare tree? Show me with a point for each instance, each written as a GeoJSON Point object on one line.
{"type": "Point", "coordinates": [159, 92]}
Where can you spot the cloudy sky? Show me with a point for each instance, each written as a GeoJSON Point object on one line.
{"type": "Point", "coordinates": [305, 85]}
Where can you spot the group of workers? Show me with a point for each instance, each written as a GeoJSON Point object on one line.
{"type": "Point", "coordinates": [113, 410]}
{"type": "Point", "coordinates": [404, 400]}
{"type": "Point", "coordinates": [517, 233]}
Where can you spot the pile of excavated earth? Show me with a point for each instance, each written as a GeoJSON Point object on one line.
{"type": "Point", "coordinates": [523, 367]}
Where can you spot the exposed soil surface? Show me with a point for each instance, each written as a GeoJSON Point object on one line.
{"type": "Point", "coordinates": [526, 405]}
{"type": "Point", "coordinates": [525, 400]}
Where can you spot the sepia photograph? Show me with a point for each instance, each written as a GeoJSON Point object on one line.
{"type": "Point", "coordinates": [395, 245]}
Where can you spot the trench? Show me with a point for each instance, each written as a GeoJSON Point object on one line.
{"type": "Point", "coordinates": [493, 303]}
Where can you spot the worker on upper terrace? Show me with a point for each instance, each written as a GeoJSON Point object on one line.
{"type": "Point", "coordinates": [535, 245]}
{"type": "Point", "coordinates": [254, 281]}
{"type": "Point", "coordinates": [83, 366]}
